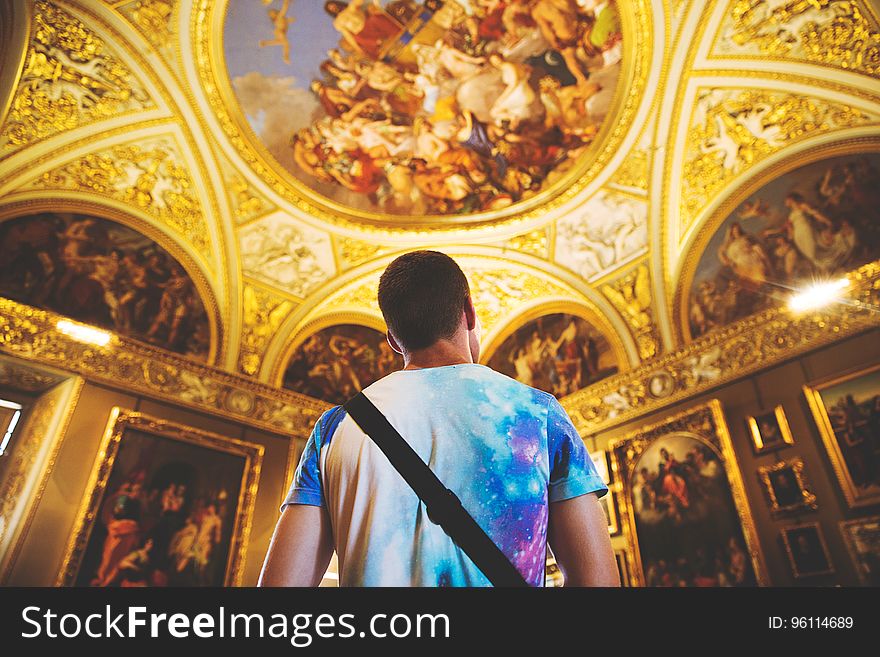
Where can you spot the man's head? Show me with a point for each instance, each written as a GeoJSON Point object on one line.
{"type": "Point", "coordinates": [425, 297]}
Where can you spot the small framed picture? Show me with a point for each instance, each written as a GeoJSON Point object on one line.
{"type": "Point", "coordinates": [622, 560]}
{"type": "Point", "coordinates": [609, 505]}
{"type": "Point", "coordinates": [600, 460]}
{"type": "Point", "coordinates": [786, 487]}
{"type": "Point", "coordinates": [862, 539]}
{"type": "Point", "coordinates": [807, 551]}
{"type": "Point", "coordinates": [770, 431]}
{"type": "Point", "coordinates": [552, 575]}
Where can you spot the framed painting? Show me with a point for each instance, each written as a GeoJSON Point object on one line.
{"type": "Point", "coordinates": [786, 487]}
{"type": "Point", "coordinates": [622, 567]}
{"type": "Point", "coordinates": [862, 539]}
{"type": "Point", "coordinates": [847, 412]}
{"type": "Point", "coordinates": [166, 505]}
{"type": "Point", "coordinates": [770, 431]}
{"type": "Point", "coordinates": [807, 551]}
{"type": "Point", "coordinates": [601, 461]}
{"type": "Point", "coordinates": [683, 506]}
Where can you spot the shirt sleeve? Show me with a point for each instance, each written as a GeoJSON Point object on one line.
{"type": "Point", "coordinates": [572, 472]}
{"type": "Point", "coordinates": [306, 486]}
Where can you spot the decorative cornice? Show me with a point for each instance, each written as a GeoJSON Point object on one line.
{"type": "Point", "coordinates": [30, 333]}
{"type": "Point", "coordinates": [725, 355]}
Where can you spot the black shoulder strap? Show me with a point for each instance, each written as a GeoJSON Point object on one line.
{"type": "Point", "coordinates": [443, 506]}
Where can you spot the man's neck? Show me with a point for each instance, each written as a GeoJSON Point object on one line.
{"type": "Point", "coordinates": [440, 354]}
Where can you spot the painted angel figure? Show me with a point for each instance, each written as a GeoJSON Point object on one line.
{"type": "Point", "coordinates": [280, 22]}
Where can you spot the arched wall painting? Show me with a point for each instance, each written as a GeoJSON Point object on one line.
{"type": "Point", "coordinates": [409, 108]}
{"type": "Point", "coordinates": [102, 273]}
{"type": "Point", "coordinates": [336, 362]}
{"type": "Point", "coordinates": [559, 353]}
{"type": "Point", "coordinates": [680, 503]}
{"type": "Point", "coordinates": [817, 221]}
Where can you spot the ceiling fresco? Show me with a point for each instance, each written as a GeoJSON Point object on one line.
{"type": "Point", "coordinates": [626, 161]}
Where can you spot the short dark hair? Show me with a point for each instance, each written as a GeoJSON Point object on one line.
{"type": "Point", "coordinates": [422, 295]}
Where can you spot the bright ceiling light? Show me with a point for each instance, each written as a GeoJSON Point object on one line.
{"type": "Point", "coordinates": [85, 334]}
{"type": "Point", "coordinates": [818, 295]}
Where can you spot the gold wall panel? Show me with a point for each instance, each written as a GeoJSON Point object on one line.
{"type": "Point", "coordinates": [71, 78]}
{"type": "Point", "coordinates": [841, 34]}
{"type": "Point", "coordinates": [263, 312]}
{"type": "Point", "coordinates": [149, 174]}
{"type": "Point", "coordinates": [631, 296]}
{"type": "Point", "coordinates": [732, 129]}
{"type": "Point", "coordinates": [31, 334]}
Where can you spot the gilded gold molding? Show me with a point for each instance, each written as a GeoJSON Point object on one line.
{"type": "Point", "coordinates": [732, 129]}
{"type": "Point", "coordinates": [37, 452]}
{"type": "Point", "coordinates": [148, 174]}
{"type": "Point", "coordinates": [705, 423]}
{"type": "Point", "coordinates": [724, 355]}
{"type": "Point", "coordinates": [31, 334]}
{"type": "Point", "coordinates": [120, 420]}
{"type": "Point", "coordinates": [262, 314]}
{"type": "Point", "coordinates": [71, 78]}
{"type": "Point", "coordinates": [834, 33]}
{"type": "Point", "coordinates": [633, 172]}
{"type": "Point", "coordinates": [636, 20]}
{"type": "Point", "coordinates": [632, 297]}
{"type": "Point", "coordinates": [154, 19]}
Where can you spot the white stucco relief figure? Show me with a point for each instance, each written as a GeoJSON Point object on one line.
{"type": "Point", "coordinates": [286, 254]}
{"type": "Point", "coordinates": [605, 231]}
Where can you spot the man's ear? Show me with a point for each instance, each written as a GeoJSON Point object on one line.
{"type": "Point", "coordinates": [393, 343]}
{"type": "Point", "coordinates": [470, 314]}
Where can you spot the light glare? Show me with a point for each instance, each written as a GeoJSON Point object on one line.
{"type": "Point", "coordinates": [818, 295]}
{"type": "Point", "coordinates": [84, 333]}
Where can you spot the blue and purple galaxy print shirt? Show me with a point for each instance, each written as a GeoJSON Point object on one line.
{"type": "Point", "coordinates": [506, 449]}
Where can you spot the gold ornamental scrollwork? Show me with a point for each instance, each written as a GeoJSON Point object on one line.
{"type": "Point", "coordinates": [637, 21]}
{"type": "Point", "coordinates": [149, 175]}
{"type": "Point", "coordinates": [71, 78]}
{"type": "Point", "coordinates": [30, 333]}
{"type": "Point", "coordinates": [733, 129]}
{"type": "Point", "coordinates": [631, 296]}
{"type": "Point", "coordinates": [725, 355]}
{"type": "Point", "coordinates": [838, 33]}
{"type": "Point", "coordinates": [263, 312]}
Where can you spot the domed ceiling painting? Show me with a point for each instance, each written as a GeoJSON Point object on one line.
{"type": "Point", "coordinates": [435, 108]}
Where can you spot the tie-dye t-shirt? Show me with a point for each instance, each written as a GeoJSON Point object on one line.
{"type": "Point", "coordinates": [506, 449]}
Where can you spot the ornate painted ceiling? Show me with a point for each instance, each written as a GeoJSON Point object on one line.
{"type": "Point", "coordinates": [130, 111]}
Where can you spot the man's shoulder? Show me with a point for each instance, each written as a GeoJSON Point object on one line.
{"type": "Point", "coordinates": [475, 372]}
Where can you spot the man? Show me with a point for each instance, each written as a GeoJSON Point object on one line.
{"type": "Point", "coordinates": [507, 450]}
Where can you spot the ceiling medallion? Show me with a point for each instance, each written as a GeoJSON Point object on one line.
{"type": "Point", "coordinates": [398, 114]}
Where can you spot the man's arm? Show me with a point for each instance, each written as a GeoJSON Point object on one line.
{"type": "Point", "coordinates": [301, 548]}
{"type": "Point", "coordinates": [578, 535]}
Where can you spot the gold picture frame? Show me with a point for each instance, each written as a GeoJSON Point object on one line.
{"type": "Point", "coordinates": [862, 538]}
{"type": "Point", "coordinates": [620, 556]}
{"type": "Point", "coordinates": [848, 441]}
{"type": "Point", "coordinates": [126, 425]}
{"type": "Point", "coordinates": [803, 550]}
{"type": "Point", "coordinates": [762, 441]}
{"type": "Point", "coordinates": [705, 427]}
{"type": "Point", "coordinates": [602, 460]}
{"type": "Point", "coordinates": [786, 487]}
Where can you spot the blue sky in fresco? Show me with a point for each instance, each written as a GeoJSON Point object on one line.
{"type": "Point", "coordinates": [311, 36]}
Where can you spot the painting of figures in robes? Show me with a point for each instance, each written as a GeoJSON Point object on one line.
{"type": "Point", "coordinates": [559, 353]}
{"type": "Point", "coordinates": [169, 507]}
{"type": "Point", "coordinates": [816, 222]}
{"type": "Point", "coordinates": [685, 509]}
{"type": "Point", "coordinates": [339, 361]}
{"type": "Point", "coordinates": [424, 108]}
{"type": "Point", "coordinates": [102, 273]}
